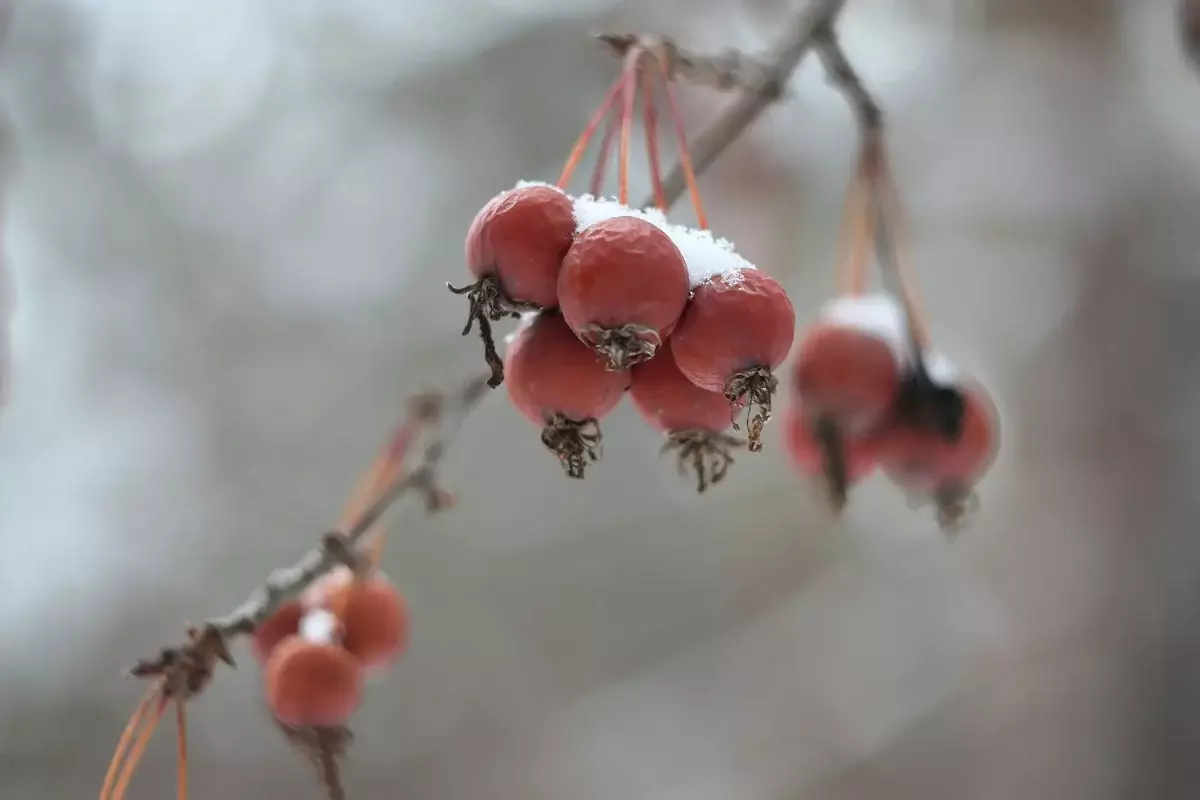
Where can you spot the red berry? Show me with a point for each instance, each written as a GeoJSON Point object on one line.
{"type": "Point", "coordinates": [860, 454]}
{"type": "Point", "coordinates": [557, 382]}
{"type": "Point", "coordinates": [926, 462]}
{"type": "Point", "coordinates": [312, 683]}
{"type": "Point", "coordinates": [670, 402]}
{"type": "Point", "coordinates": [622, 288]}
{"type": "Point", "coordinates": [736, 331]}
{"type": "Point", "coordinates": [693, 419]}
{"type": "Point", "coordinates": [373, 614]}
{"type": "Point", "coordinates": [271, 631]}
{"type": "Point", "coordinates": [846, 374]}
{"type": "Point", "coordinates": [515, 247]}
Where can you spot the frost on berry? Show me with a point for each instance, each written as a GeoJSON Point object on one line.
{"type": "Point", "coordinates": [370, 614]}
{"type": "Point", "coordinates": [734, 334]}
{"type": "Point", "coordinates": [622, 288]}
{"type": "Point", "coordinates": [558, 383]}
{"type": "Point", "coordinates": [705, 255]}
{"type": "Point", "coordinates": [514, 248]}
{"type": "Point", "coordinates": [934, 461]}
{"type": "Point", "coordinates": [694, 420]}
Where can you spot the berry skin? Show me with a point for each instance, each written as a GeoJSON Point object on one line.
{"type": "Point", "coordinates": [924, 460]}
{"type": "Point", "coordinates": [847, 375]}
{"type": "Point", "coordinates": [860, 454]}
{"type": "Point", "coordinates": [622, 288]}
{"type": "Point", "coordinates": [521, 237]}
{"type": "Point", "coordinates": [270, 632]}
{"type": "Point", "coordinates": [670, 402]}
{"type": "Point", "coordinates": [312, 683]}
{"type": "Point", "coordinates": [557, 382]}
{"type": "Point", "coordinates": [374, 616]}
{"type": "Point", "coordinates": [736, 331]}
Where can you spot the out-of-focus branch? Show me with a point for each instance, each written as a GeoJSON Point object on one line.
{"type": "Point", "coordinates": [430, 427]}
{"type": "Point", "coordinates": [1189, 29]}
{"type": "Point", "coordinates": [764, 81]}
{"type": "Point", "coordinates": [731, 70]}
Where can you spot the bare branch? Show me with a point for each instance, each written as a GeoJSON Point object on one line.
{"type": "Point", "coordinates": [817, 16]}
{"type": "Point", "coordinates": [435, 419]}
{"type": "Point", "coordinates": [730, 70]}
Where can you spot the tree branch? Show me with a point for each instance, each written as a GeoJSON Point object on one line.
{"type": "Point", "coordinates": [770, 85]}
{"type": "Point", "coordinates": [433, 420]}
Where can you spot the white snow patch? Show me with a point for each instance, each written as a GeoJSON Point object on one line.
{"type": "Point", "coordinates": [706, 256]}
{"type": "Point", "coordinates": [942, 370]}
{"type": "Point", "coordinates": [319, 625]}
{"type": "Point", "coordinates": [522, 184]}
{"type": "Point", "coordinates": [877, 314]}
{"type": "Point", "coordinates": [524, 321]}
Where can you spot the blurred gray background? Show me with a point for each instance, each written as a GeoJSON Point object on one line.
{"type": "Point", "coordinates": [229, 236]}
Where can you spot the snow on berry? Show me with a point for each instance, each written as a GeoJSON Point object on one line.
{"type": "Point", "coordinates": [941, 454]}
{"type": "Point", "coordinates": [705, 255]}
{"type": "Point", "coordinates": [622, 288]}
{"type": "Point", "coordinates": [734, 334]}
{"type": "Point", "coordinates": [514, 248]}
{"type": "Point", "coordinates": [817, 449]}
{"type": "Point", "coordinates": [693, 419]}
{"type": "Point", "coordinates": [557, 382]}
{"type": "Point", "coordinates": [372, 614]}
{"type": "Point", "coordinates": [849, 367]}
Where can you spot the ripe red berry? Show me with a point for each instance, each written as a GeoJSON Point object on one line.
{"type": "Point", "coordinates": [622, 288]}
{"type": "Point", "coordinates": [270, 632]}
{"type": "Point", "coordinates": [515, 247]}
{"type": "Point", "coordinates": [693, 419]}
{"type": "Point", "coordinates": [374, 616]}
{"type": "Point", "coordinates": [312, 683]}
{"type": "Point", "coordinates": [846, 374]}
{"type": "Point", "coordinates": [557, 382]}
{"type": "Point", "coordinates": [736, 331]}
{"type": "Point", "coordinates": [926, 461]}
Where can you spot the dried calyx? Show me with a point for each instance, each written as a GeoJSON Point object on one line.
{"type": "Point", "coordinates": [706, 455]}
{"type": "Point", "coordinates": [621, 348]}
{"type": "Point", "coordinates": [575, 442]}
{"type": "Point", "coordinates": [488, 304]}
{"type": "Point", "coordinates": [752, 388]}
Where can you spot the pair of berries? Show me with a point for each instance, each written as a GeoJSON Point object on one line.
{"type": "Point", "coordinates": [316, 650]}
{"type": "Point", "coordinates": [865, 404]}
{"type": "Point", "coordinates": [629, 291]}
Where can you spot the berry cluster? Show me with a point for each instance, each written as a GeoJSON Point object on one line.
{"type": "Point", "coordinates": [872, 392]}
{"type": "Point", "coordinates": [316, 650]}
{"type": "Point", "coordinates": [629, 301]}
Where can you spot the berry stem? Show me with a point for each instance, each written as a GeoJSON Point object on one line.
{"type": "Point", "coordinates": [855, 237]}
{"type": "Point", "coordinates": [606, 143]}
{"type": "Point", "coordinates": [589, 131]}
{"type": "Point", "coordinates": [628, 98]}
{"type": "Point", "coordinates": [138, 748]}
{"type": "Point", "coordinates": [181, 731]}
{"type": "Point", "coordinates": [889, 233]}
{"type": "Point", "coordinates": [685, 158]}
{"type": "Point", "coordinates": [651, 126]}
{"type": "Point", "coordinates": [131, 727]}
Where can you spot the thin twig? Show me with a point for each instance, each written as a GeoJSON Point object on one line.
{"type": "Point", "coordinates": [438, 417]}
{"type": "Point", "coordinates": [731, 70]}
{"type": "Point", "coordinates": [769, 86]}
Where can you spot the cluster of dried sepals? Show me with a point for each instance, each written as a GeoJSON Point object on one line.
{"type": "Point", "coordinates": [617, 299]}
{"type": "Point", "coordinates": [675, 383]}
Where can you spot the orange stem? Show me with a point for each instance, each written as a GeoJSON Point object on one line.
{"type": "Point", "coordinates": [181, 731]}
{"type": "Point", "coordinates": [138, 750]}
{"type": "Point", "coordinates": [629, 84]}
{"type": "Point", "coordinates": [651, 122]}
{"type": "Point", "coordinates": [891, 211]}
{"type": "Point", "coordinates": [606, 143]}
{"type": "Point", "coordinates": [131, 727]}
{"type": "Point", "coordinates": [685, 158]}
{"type": "Point", "coordinates": [589, 131]}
